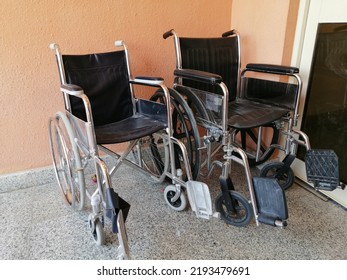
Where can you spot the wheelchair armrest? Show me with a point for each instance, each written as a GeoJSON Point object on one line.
{"type": "Point", "coordinates": [200, 76]}
{"type": "Point", "coordinates": [272, 68]}
{"type": "Point", "coordinates": [148, 81]}
{"type": "Point", "coordinates": [77, 91]}
{"type": "Point", "coordinates": [72, 89]}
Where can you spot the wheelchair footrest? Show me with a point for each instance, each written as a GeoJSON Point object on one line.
{"type": "Point", "coordinates": [272, 221]}
{"type": "Point", "coordinates": [322, 169]}
{"type": "Point", "coordinates": [200, 199]}
{"type": "Point", "coordinates": [114, 203]}
{"type": "Point", "coordinates": [271, 201]}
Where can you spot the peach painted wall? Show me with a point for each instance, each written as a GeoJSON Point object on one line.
{"type": "Point", "coordinates": [267, 29]}
{"type": "Point", "coordinates": [29, 92]}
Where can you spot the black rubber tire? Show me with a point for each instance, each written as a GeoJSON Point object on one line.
{"type": "Point", "coordinates": [271, 169]}
{"type": "Point", "coordinates": [243, 214]}
{"type": "Point", "coordinates": [249, 136]}
{"type": "Point", "coordinates": [183, 117]}
{"type": "Point", "coordinates": [67, 161]}
{"type": "Point", "coordinates": [194, 103]}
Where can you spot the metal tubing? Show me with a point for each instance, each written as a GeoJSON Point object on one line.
{"type": "Point", "coordinates": [98, 162]}
{"type": "Point", "coordinates": [185, 158]}
{"type": "Point", "coordinates": [260, 134]}
{"type": "Point", "coordinates": [250, 184]}
{"type": "Point", "coordinates": [225, 111]}
{"type": "Point", "coordinates": [177, 49]}
{"type": "Point", "coordinates": [296, 116]}
{"type": "Point", "coordinates": [55, 47]}
{"type": "Point", "coordinates": [305, 142]}
{"type": "Point", "coordinates": [121, 43]}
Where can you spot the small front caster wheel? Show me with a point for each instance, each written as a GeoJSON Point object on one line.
{"type": "Point", "coordinates": [240, 215]}
{"type": "Point", "coordinates": [178, 205]}
{"type": "Point", "coordinates": [97, 231]}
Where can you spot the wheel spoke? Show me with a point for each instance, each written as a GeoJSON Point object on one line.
{"type": "Point", "coordinates": [67, 161]}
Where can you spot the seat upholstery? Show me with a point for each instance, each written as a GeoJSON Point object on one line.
{"type": "Point", "coordinates": [134, 127]}
{"type": "Point", "coordinates": [245, 114]}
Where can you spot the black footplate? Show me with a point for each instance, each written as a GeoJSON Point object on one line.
{"type": "Point", "coordinates": [322, 169]}
{"type": "Point", "coordinates": [114, 203]}
{"type": "Point", "coordinates": [271, 202]}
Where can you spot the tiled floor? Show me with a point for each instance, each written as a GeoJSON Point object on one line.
{"type": "Point", "coordinates": [36, 224]}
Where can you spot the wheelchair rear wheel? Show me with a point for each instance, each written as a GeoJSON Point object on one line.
{"type": "Point", "coordinates": [67, 161]}
{"type": "Point", "coordinates": [205, 121]}
{"type": "Point", "coordinates": [185, 130]}
{"type": "Point", "coordinates": [152, 154]}
{"type": "Point", "coordinates": [198, 108]}
{"type": "Point", "coordinates": [273, 170]}
{"type": "Point", "coordinates": [248, 138]}
{"type": "Point", "coordinates": [242, 213]}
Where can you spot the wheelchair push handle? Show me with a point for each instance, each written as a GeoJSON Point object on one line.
{"type": "Point", "coordinates": [229, 33]}
{"type": "Point", "coordinates": [168, 34]}
{"type": "Point", "coordinates": [53, 46]}
{"type": "Point", "coordinates": [119, 43]}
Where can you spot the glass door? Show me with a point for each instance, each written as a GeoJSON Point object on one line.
{"type": "Point", "coordinates": [323, 68]}
{"type": "Point", "coordinates": [325, 112]}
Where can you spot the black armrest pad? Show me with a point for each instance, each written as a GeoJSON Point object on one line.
{"type": "Point", "coordinates": [197, 75]}
{"type": "Point", "coordinates": [272, 68]}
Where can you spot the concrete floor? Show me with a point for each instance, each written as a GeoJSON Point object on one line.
{"type": "Point", "coordinates": [37, 225]}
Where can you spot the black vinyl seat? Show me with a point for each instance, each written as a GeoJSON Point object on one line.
{"type": "Point", "coordinates": [245, 114]}
{"type": "Point", "coordinates": [134, 127]}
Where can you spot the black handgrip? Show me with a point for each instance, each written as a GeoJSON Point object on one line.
{"type": "Point", "coordinates": [168, 34]}
{"type": "Point", "coordinates": [229, 33]}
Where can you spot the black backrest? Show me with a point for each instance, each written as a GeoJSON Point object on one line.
{"type": "Point", "coordinates": [105, 80]}
{"type": "Point", "coordinates": [276, 93]}
{"type": "Point", "coordinates": [216, 55]}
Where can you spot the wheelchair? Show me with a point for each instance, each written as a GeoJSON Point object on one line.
{"type": "Point", "coordinates": [248, 115]}
{"type": "Point", "coordinates": [101, 109]}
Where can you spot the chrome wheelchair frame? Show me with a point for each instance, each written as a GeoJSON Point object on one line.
{"type": "Point", "coordinates": [239, 112]}
{"type": "Point", "coordinates": [233, 113]}
{"type": "Point", "coordinates": [75, 141]}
